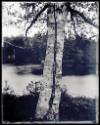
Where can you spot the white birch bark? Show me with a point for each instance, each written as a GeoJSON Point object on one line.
{"type": "Point", "coordinates": [59, 56]}
{"type": "Point", "coordinates": [45, 94]}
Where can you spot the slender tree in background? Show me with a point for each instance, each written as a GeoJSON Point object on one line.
{"type": "Point", "coordinates": [73, 16]}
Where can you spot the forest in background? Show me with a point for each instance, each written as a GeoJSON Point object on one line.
{"type": "Point", "coordinates": [79, 55]}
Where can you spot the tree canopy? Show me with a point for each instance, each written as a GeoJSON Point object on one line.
{"type": "Point", "coordinates": [82, 17]}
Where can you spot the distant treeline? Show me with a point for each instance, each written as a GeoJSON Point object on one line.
{"type": "Point", "coordinates": [79, 55]}
{"type": "Point", "coordinates": [31, 52]}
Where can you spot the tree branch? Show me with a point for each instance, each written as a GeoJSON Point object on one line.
{"type": "Point", "coordinates": [15, 45]}
{"type": "Point", "coordinates": [36, 17]}
{"type": "Point", "coordinates": [73, 23]}
{"type": "Point", "coordinates": [83, 17]}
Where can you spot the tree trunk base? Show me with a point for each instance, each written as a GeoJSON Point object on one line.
{"type": "Point", "coordinates": [43, 103]}
{"type": "Point", "coordinates": [50, 115]}
{"type": "Point", "coordinates": [42, 111]}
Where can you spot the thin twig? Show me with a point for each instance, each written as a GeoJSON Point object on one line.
{"type": "Point", "coordinates": [15, 45]}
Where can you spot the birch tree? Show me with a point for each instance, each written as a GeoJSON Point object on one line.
{"type": "Point", "coordinates": [70, 19]}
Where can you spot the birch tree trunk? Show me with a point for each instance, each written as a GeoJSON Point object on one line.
{"type": "Point", "coordinates": [53, 62]}
{"type": "Point", "coordinates": [60, 18]}
{"type": "Point", "coordinates": [45, 93]}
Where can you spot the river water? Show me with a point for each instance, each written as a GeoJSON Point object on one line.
{"type": "Point", "coordinates": [75, 85]}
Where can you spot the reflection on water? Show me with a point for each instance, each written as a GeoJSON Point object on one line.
{"type": "Point", "coordinates": [75, 85]}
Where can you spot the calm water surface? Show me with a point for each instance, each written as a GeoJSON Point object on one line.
{"type": "Point", "coordinates": [75, 85]}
